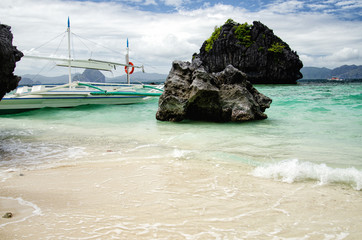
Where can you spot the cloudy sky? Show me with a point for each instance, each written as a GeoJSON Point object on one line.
{"type": "Point", "coordinates": [325, 33]}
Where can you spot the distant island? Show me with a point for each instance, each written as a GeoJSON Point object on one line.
{"type": "Point", "coordinates": [93, 76]}
{"type": "Point", "coordinates": [344, 72]}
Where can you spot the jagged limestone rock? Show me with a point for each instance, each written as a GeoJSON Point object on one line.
{"type": "Point", "coordinates": [216, 86]}
{"type": "Point", "coordinates": [254, 50]}
{"type": "Point", "coordinates": [9, 55]}
{"type": "Point", "coordinates": [193, 93]}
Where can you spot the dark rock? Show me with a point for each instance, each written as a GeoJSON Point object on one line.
{"type": "Point", "coordinates": [254, 50]}
{"type": "Point", "coordinates": [9, 55]}
{"type": "Point", "coordinates": [172, 103]}
{"type": "Point", "coordinates": [8, 215]}
{"type": "Point", "coordinates": [216, 86]}
{"type": "Point", "coordinates": [90, 75]}
{"type": "Point", "coordinates": [193, 93]}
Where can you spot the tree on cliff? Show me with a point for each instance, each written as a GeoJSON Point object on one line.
{"type": "Point", "coordinates": [254, 50]}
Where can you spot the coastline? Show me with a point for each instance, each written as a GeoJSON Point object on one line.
{"type": "Point", "coordinates": [174, 199]}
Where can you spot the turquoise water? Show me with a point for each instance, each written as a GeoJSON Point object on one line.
{"type": "Point", "coordinates": [313, 132]}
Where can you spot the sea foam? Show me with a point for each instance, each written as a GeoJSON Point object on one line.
{"type": "Point", "coordinates": [36, 210]}
{"type": "Point", "coordinates": [293, 170]}
{"type": "Point", "coordinates": [16, 153]}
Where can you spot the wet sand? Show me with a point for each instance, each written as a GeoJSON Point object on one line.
{"type": "Point", "coordinates": [172, 199]}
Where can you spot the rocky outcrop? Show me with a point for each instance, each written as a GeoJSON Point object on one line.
{"type": "Point", "coordinates": [191, 92]}
{"type": "Point", "coordinates": [9, 55]}
{"type": "Point", "coordinates": [90, 75]}
{"type": "Point", "coordinates": [216, 86]}
{"type": "Point", "coordinates": [254, 50]}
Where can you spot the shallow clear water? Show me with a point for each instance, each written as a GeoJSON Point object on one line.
{"type": "Point", "coordinates": [115, 172]}
{"type": "Point", "coordinates": [313, 131]}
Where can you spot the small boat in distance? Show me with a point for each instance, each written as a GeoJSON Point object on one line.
{"type": "Point", "coordinates": [335, 79]}
{"type": "Point", "coordinates": [76, 93]}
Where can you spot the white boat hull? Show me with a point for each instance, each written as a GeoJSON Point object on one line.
{"type": "Point", "coordinates": [63, 97]}
{"type": "Point", "coordinates": [66, 101]}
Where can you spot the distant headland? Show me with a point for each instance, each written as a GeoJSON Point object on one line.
{"type": "Point", "coordinates": [343, 72]}
{"type": "Point", "coordinates": [93, 76]}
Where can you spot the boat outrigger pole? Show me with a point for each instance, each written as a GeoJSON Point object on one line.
{"type": "Point", "coordinates": [89, 63]}
{"type": "Point", "coordinates": [127, 62]}
{"type": "Point", "coordinates": [69, 56]}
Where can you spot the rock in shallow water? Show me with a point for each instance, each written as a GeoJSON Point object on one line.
{"type": "Point", "coordinates": [216, 86]}
{"type": "Point", "coordinates": [193, 93]}
{"type": "Point", "coordinates": [8, 215]}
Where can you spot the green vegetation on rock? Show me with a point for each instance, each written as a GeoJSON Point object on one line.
{"type": "Point", "coordinates": [242, 33]}
{"type": "Point", "coordinates": [210, 42]}
{"type": "Point", "coordinates": [230, 21]}
{"type": "Point", "coordinates": [253, 49]}
{"type": "Point", "coordinates": [276, 47]}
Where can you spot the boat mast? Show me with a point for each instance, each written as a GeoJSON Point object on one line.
{"type": "Point", "coordinates": [69, 56]}
{"type": "Point", "coordinates": [127, 62]}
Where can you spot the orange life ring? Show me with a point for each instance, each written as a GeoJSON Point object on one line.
{"type": "Point", "coordinates": [126, 68]}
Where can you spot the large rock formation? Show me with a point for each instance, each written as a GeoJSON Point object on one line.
{"type": "Point", "coordinates": [9, 55]}
{"type": "Point", "coordinates": [254, 50]}
{"type": "Point", "coordinates": [215, 86]}
{"type": "Point", "coordinates": [193, 93]}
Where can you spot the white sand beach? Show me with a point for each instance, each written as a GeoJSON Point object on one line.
{"type": "Point", "coordinates": [175, 199]}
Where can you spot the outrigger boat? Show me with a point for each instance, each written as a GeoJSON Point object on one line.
{"type": "Point", "coordinates": [77, 93]}
{"type": "Point", "coordinates": [335, 79]}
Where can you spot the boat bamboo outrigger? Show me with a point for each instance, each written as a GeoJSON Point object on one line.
{"type": "Point", "coordinates": [76, 93]}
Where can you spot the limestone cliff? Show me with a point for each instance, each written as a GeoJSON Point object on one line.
{"type": "Point", "coordinates": [254, 50]}
{"type": "Point", "coordinates": [9, 55]}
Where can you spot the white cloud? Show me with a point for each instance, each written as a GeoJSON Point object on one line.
{"type": "Point", "coordinates": [174, 3]}
{"type": "Point", "coordinates": [150, 2]}
{"type": "Point", "coordinates": [345, 54]}
{"type": "Point", "coordinates": [349, 3]}
{"type": "Point", "coordinates": [308, 60]}
{"type": "Point", "coordinates": [156, 39]}
{"type": "Point", "coordinates": [285, 6]}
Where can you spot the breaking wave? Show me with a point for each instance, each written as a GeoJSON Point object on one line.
{"type": "Point", "coordinates": [293, 170]}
